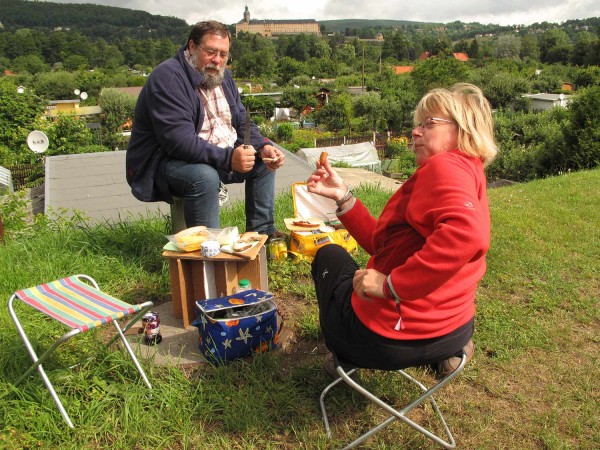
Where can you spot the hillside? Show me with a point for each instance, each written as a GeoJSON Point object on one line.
{"type": "Point", "coordinates": [343, 24]}
{"type": "Point", "coordinates": [88, 19]}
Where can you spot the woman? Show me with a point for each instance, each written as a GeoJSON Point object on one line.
{"type": "Point", "coordinates": [414, 303]}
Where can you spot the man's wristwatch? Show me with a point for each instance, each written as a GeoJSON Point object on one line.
{"type": "Point", "coordinates": [347, 196]}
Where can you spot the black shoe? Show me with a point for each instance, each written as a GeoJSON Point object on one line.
{"type": "Point", "coordinates": [329, 365]}
{"type": "Point", "coordinates": [447, 366]}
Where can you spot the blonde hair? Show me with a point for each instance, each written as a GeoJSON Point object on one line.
{"type": "Point", "coordinates": [465, 105]}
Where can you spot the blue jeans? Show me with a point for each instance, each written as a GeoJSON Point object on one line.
{"type": "Point", "coordinates": [198, 185]}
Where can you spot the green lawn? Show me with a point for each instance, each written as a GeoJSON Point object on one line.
{"type": "Point", "coordinates": [531, 384]}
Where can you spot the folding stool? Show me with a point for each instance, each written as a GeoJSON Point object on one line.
{"type": "Point", "coordinates": [345, 371]}
{"type": "Point", "coordinates": [81, 307]}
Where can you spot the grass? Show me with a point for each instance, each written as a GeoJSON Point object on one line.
{"type": "Point", "coordinates": [531, 384]}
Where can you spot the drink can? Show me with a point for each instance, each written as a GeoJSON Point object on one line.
{"type": "Point", "coordinates": [277, 249]}
{"type": "Point", "coordinates": [151, 325]}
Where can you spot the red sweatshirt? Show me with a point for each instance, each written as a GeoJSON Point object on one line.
{"type": "Point", "coordinates": [431, 238]}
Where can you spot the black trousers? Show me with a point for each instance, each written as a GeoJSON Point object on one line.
{"type": "Point", "coordinates": [345, 335]}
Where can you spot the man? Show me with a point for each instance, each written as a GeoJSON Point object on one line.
{"type": "Point", "coordinates": [189, 132]}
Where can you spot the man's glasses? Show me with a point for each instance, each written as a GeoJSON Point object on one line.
{"type": "Point", "coordinates": [211, 52]}
{"type": "Point", "coordinates": [430, 121]}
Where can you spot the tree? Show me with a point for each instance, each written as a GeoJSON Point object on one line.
{"type": "Point", "coordinates": [583, 134]}
{"type": "Point", "coordinates": [503, 88]}
{"type": "Point", "coordinates": [321, 49]}
{"type": "Point", "coordinates": [32, 64]}
{"type": "Point", "coordinates": [400, 97]}
{"type": "Point", "coordinates": [299, 98]}
{"type": "Point", "coordinates": [554, 45]}
{"type": "Point", "coordinates": [56, 85]}
{"type": "Point", "coordinates": [259, 105]}
{"type": "Point", "coordinates": [461, 46]}
{"type": "Point", "coordinates": [549, 80]}
{"type": "Point", "coordinates": [529, 48]}
{"type": "Point", "coordinates": [67, 135]}
{"type": "Point", "coordinates": [337, 113]}
{"type": "Point", "coordinates": [473, 51]}
{"type": "Point", "coordinates": [508, 47]}
{"type": "Point", "coordinates": [118, 108]}
{"type": "Point", "coordinates": [299, 48]}
{"type": "Point", "coordinates": [583, 49]}
{"type": "Point", "coordinates": [586, 77]}
{"type": "Point", "coordinates": [370, 107]}
{"type": "Point", "coordinates": [108, 56]}
{"type": "Point", "coordinates": [346, 53]}
{"type": "Point", "coordinates": [396, 46]}
{"type": "Point", "coordinates": [288, 68]}
{"type": "Point", "coordinates": [18, 113]}
{"type": "Point", "coordinates": [24, 42]}
{"type": "Point", "coordinates": [437, 72]}
{"type": "Point", "coordinates": [75, 62]}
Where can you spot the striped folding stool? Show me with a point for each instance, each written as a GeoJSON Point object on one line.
{"type": "Point", "coordinates": [78, 303]}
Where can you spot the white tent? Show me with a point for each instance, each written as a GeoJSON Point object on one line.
{"type": "Point", "coordinates": [363, 154]}
{"type": "Point", "coordinates": [5, 179]}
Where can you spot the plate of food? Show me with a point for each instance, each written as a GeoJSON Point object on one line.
{"type": "Point", "coordinates": [301, 224]}
{"type": "Point", "coordinates": [241, 246]}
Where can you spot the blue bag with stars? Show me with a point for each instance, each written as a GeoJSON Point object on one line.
{"type": "Point", "coordinates": [235, 326]}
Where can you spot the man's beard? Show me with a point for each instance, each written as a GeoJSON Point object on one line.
{"type": "Point", "coordinates": [211, 80]}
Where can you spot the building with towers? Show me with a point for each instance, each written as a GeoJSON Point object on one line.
{"type": "Point", "coordinates": [274, 28]}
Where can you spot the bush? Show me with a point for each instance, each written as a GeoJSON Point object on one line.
{"type": "Point", "coordinates": [267, 130]}
{"type": "Point", "coordinates": [531, 145]}
{"type": "Point", "coordinates": [285, 132]}
{"type": "Point", "coordinates": [583, 131]}
{"type": "Point", "coordinates": [395, 146]}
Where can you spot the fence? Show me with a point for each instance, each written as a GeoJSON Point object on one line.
{"type": "Point", "coordinates": [22, 174]}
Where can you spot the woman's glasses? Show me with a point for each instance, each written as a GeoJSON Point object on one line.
{"type": "Point", "coordinates": [430, 121]}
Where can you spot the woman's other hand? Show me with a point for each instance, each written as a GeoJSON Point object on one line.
{"type": "Point", "coordinates": [368, 283]}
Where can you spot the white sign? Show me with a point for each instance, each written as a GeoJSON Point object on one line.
{"type": "Point", "coordinates": [37, 141]}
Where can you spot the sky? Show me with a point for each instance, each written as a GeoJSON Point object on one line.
{"type": "Point", "coordinates": [501, 12]}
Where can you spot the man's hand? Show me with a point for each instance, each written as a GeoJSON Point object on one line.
{"type": "Point", "coordinates": [272, 157]}
{"type": "Point", "coordinates": [243, 158]}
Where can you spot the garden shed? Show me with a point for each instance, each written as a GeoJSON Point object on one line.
{"type": "Point", "coordinates": [363, 154]}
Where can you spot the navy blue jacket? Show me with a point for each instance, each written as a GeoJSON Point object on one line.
{"type": "Point", "coordinates": [168, 117]}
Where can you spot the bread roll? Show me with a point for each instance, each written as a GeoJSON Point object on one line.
{"type": "Point", "coordinates": [305, 223]}
{"type": "Point", "coordinates": [192, 238]}
{"type": "Point", "coordinates": [322, 158]}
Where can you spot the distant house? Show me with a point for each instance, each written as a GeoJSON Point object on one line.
{"type": "Point", "coordinates": [567, 87]}
{"type": "Point", "coordinates": [70, 108]}
{"type": "Point", "coordinates": [323, 97]}
{"type": "Point", "coordinates": [402, 69]}
{"type": "Point", "coordinates": [543, 102]}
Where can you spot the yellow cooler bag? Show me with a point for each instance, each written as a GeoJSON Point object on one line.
{"type": "Point", "coordinates": [316, 209]}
